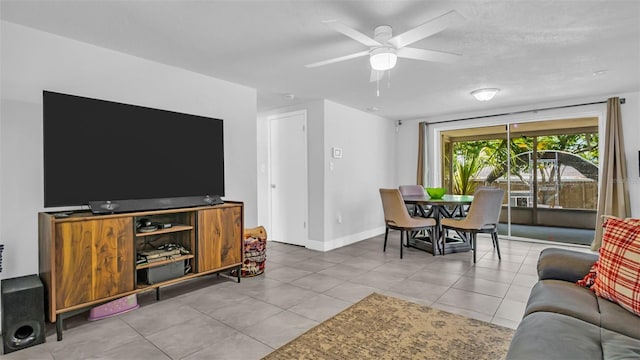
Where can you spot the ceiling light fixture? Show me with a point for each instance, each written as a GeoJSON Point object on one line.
{"type": "Point", "coordinates": [383, 58]}
{"type": "Point", "coordinates": [485, 94]}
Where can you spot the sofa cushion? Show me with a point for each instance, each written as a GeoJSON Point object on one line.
{"type": "Point", "coordinates": [562, 264]}
{"type": "Point", "coordinates": [617, 346]}
{"type": "Point", "coordinates": [615, 318]}
{"type": "Point", "coordinates": [545, 335]}
{"type": "Point", "coordinates": [618, 272]}
{"type": "Point", "coordinates": [565, 298]}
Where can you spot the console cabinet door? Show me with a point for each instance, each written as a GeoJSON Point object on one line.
{"type": "Point", "coordinates": [94, 260]}
{"type": "Point", "coordinates": [219, 238]}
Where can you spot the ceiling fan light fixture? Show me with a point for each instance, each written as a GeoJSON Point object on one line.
{"type": "Point", "coordinates": [383, 58]}
{"type": "Point", "coordinates": [485, 94]}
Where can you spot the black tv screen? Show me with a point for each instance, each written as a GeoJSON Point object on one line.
{"type": "Point", "coordinates": [97, 150]}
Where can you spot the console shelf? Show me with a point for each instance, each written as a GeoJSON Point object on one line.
{"type": "Point", "coordinates": [145, 287]}
{"type": "Point", "coordinates": [87, 259]}
{"type": "Point", "coordinates": [165, 262]}
{"type": "Point", "coordinates": [174, 228]}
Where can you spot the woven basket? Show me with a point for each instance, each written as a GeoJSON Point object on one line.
{"type": "Point", "coordinates": [255, 251]}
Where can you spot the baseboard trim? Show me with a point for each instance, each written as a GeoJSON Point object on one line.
{"type": "Point", "coordinates": [343, 241]}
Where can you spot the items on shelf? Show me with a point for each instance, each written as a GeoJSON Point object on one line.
{"type": "Point", "coordinates": [163, 252]}
{"type": "Point", "coordinates": [145, 225]}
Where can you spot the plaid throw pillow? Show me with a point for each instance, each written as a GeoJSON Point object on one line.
{"type": "Point", "coordinates": [590, 278]}
{"type": "Point", "coordinates": [618, 271]}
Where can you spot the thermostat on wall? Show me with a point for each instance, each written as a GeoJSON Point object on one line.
{"type": "Point", "coordinates": [337, 153]}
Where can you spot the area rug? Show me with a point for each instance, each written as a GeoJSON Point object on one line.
{"type": "Point", "coordinates": [383, 327]}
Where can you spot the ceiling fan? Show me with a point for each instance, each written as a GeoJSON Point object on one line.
{"type": "Point", "coordinates": [385, 49]}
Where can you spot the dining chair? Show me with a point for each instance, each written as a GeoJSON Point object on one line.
{"type": "Point", "coordinates": [412, 190]}
{"type": "Point", "coordinates": [483, 217]}
{"type": "Point", "coordinates": [465, 208]}
{"type": "Point", "coordinates": [396, 217]}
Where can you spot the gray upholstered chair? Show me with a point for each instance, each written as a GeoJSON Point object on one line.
{"type": "Point", "coordinates": [412, 190]}
{"type": "Point", "coordinates": [483, 217]}
{"type": "Point", "coordinates": [397, 217]}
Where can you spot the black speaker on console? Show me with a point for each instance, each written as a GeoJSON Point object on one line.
{"type": "Point", "coordinates": [119, 206]}
{"type": "Point", "coordinates": [22, 313]}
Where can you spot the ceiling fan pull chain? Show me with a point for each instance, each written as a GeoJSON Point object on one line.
{"type": "Point", "coordinates": [378, 84]}
{"type": "Point", "coordinates": [389, 79]}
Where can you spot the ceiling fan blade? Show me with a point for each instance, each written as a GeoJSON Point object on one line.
{"type": "Point", "coordinates": [429, 28]}
{"type": "Point", "coordinates": [352, 33]}
{"type": "Point", "coordinates": [338, 59]}
{"type": "Point", "coordinates": [427, 55]}
{"type": "Point", "coordinates": [376, 75]}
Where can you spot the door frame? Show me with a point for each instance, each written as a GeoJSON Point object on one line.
{"type": "Point", "coordinates": [304, 204]}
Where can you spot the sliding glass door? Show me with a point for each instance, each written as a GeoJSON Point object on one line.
{"type": "Point", "coordinates": [549, 170]}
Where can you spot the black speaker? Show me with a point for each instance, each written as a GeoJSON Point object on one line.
{"type": "Point", "coordinates": [22, 313]}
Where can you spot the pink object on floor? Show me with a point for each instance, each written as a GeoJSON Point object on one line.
{"type": "Point", "coordinates": [113, 308]}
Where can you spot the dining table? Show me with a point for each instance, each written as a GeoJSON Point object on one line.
{"type": "Point", "coordinates": [446, 207]}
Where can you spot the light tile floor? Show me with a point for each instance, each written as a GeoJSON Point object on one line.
{"type": "Point", "coordinates": [216, 318]}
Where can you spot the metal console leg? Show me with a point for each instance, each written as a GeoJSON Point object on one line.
{"type": "Point", "coordinates": [60, 320]}
{"type": "Point", "coordinates": [59, 327]}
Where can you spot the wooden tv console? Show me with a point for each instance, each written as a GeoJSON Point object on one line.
{"type": "Point", "coordinates": [88, 259]}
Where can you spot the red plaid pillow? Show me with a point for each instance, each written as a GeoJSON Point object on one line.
{"type": "Point", "coordinates": [590, 278]}
{"type": "Point", "coordinates": [618, 268]}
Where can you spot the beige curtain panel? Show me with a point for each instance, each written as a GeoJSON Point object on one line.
{"type": "Point", "coordinates": [613, 198]}
{"type": "Point", "coordinates": [422, 157]}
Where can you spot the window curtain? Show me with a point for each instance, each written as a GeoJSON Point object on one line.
{"type": "Point", "coordinates": [613, 194]}
{"type": "Point", "coordinates": [422, 156]}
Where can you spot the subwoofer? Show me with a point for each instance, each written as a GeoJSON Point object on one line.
{"type": "Point", "coordinates": [22, 313]}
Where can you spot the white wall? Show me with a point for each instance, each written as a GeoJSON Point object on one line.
{"type": "Point", "coordinates": [33, 61]}
{"type": "Point", "coordinates": [368, 144]}
{"type": "Point", "coordinates": [408, 135]}
{"type": "Point", "coordinates": [351, 188]}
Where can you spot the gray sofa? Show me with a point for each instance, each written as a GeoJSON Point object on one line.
{"type": "Point", "coordinates": [566, 321]}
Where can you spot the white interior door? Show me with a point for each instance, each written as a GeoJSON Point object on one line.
{"type": "Point", "coordinates": [288, 170]}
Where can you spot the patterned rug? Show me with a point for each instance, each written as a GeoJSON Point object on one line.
{"type": "Point", "coordinates": [383, 327]}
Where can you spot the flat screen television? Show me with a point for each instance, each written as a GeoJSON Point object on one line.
{"type": "Point", "coordinates": [97, 150]}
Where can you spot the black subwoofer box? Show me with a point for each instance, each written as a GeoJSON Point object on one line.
{"type": "Point", "coordinates": [22, 313]}
{"type": "Point", "coordinates": [161, 273]}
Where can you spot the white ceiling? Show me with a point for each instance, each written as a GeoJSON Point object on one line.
{"type": "Point", "coordinates": [535, 51]}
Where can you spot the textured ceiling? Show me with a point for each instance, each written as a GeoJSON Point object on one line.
{"type": "Point", "coordinates": [535, 51]}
